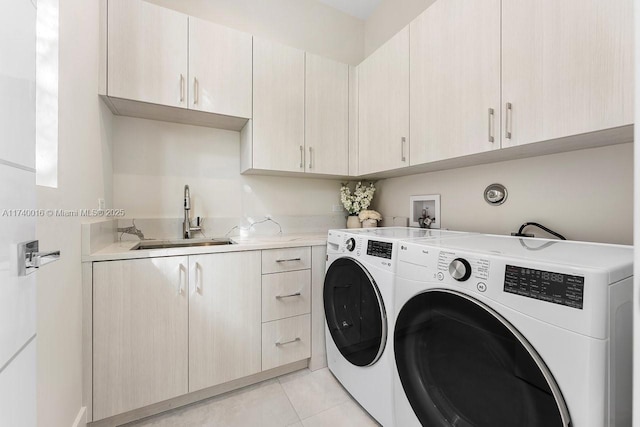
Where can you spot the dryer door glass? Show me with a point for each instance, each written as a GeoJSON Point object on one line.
{"type": "Point", "coordinates": [355, 312]}
{"type": "Point", "coordinates": [461, 364]}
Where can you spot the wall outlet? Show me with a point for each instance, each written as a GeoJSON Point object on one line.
{"type": "Point", "coordinates": [101, 204]}
{"type": "Point", "coordinates": [337, 208]}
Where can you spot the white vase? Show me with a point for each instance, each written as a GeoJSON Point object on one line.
{"type": "Point", "coordinates": [353, 221]}
{"type": "Point", "coordinates": [369, 223]}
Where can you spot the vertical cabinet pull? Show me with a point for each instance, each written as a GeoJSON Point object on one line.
{"type": "Point", "coordinates": [491, 124]}
{"type": "Point", "coordinates": [403, 141]}
{"type": "Point", "coordinates": [195, 90]}
{"type": "Point", "coordinates": [301, 157]}
{"type": "Point", "coordinates": [181, 273]}
{"type": "Point", "coordinates": [198, 278]}
{"type": "Point", "coordinates": [181, 88]}
{"type": "Point", "coordinates": [310, 157]}
{"type": "Point", "coordinates": [508, 121]}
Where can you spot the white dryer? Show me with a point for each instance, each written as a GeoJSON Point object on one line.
{"type": "Point", "coordinates": [358, 303]}
{"type": "Point", "coordinates": [504, 331]}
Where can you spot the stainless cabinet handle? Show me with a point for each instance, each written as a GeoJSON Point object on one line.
{"type": "Point", "coordinates": [289, 260]}
{"type": "Point", "coordinates": [297, 294]}
{"type": "Point", "coordinates": [196, 88]}
{"type": "Point", "coordinates": [310, 157]}
{"type": "Point", "coordinates": [403, 141]}
{"type": "Point", "coordinates": [491, 123]}
{"type": "Point", "coordinates": [508, 120]}
{"type": "Point", "coordinates": [301, 157]}
{"type": "Point", "coordinates": [198, 279]}
{"type": "Point", "coordinates": [278, 344]}
{"type": "Point", "coordinates": [181, 270]}
{"type": "Point", "coordinates": [181, 88]}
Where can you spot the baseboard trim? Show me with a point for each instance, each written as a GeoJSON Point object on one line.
{"type": "Point", "coordinates": [196, 396]}
{"type": "Point", "coordinates": [81, 418]}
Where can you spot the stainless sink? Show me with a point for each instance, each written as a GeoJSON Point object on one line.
{"type": "Point", "coordinates": [165, 244]}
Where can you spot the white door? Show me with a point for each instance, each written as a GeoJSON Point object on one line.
{"type": "Point", "coordinates": [326, 116]}
{"type": "Point", "coordinates": [567, 68]}
{"type": "Point", "coordinates": [17, 191]}
{"type": "Point", "coordinates": [383, 116]}
{"type": "Point", "coordinates": [455, 80]}
{"type": "Point", "coordinates": [148, 49]}
{"type": "Point", "coordinates": [220, 69]}
{"type": "Point", "coordinates": [278, 107]}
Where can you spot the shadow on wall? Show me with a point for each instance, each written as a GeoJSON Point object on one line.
{"type": "Point", "coordinates": [584, 195]}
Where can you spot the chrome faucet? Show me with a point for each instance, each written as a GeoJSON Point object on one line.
{"type": "Point", "coordinates": [186, 224]}
{"type": "Point", "coordinates": [131, 230]}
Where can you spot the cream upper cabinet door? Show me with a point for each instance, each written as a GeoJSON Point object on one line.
{"type": "Point", "coordinates": [147, 59]}
{"type": "Point", "coordinates": [455, 80]}
{"type": "Point", "coordinates": [567, 67]}
{"type": "Point", "coordinates": [278, 107]}
{"type": "Point", "coordinates": [225, 322]}
{"type": "Point", "coordinates": [220, 69]}
{"type": "Point", "coordinates": [326, 116]}
{"type": "Point", "coordinates": [140, 333]}
{"type": "Point", "coordinates": [383, 80]}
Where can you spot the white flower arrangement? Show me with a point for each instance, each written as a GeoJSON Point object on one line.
{"type": "Point", "coordinates": [359, 200]}
{"type": "Point", "coordinates": [371, 215]}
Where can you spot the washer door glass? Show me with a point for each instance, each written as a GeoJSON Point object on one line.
{"type": "Point", "coordinates": [355, 312]}
{"type": "Point", "coordinates": [461, 364]}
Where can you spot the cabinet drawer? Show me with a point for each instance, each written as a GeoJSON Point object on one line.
{"type": "Point", "coordinates": [286, 294]}
{"type": "Point", "coordinates": [279, 260]}
{"type": "Point", "coordinates": [286, 341]}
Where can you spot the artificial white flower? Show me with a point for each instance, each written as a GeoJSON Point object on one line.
{"type": "Point", "coordinates": [364, 215]}
{"type": "Point", "coordinates": [359, 200]}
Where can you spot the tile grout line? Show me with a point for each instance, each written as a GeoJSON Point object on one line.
{"type": "Point", "coordinates": [289, 399]}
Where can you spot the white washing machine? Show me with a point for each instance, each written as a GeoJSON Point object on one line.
{"type": "Point", "coordinates": [504, 331]}
{"type": "Point", "coordinates": [358, 303]}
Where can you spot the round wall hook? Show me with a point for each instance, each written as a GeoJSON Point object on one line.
{"type": "Point", "coordinates": [495, 194]}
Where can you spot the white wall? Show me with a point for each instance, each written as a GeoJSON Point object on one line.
{"type": "Point", "coordinates": [84, 175]}
{"type": "Point", "coordinates": [152, 161]}
{"type": "Point", "coordinates": [584, 195]}
{"type": "Point", "coordinates": [388, 18]}
{"type": "Point", "coordinates": [306, 24]}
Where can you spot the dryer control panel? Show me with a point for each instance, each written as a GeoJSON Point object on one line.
{"type": "Point", "coordinates": [558, 288]}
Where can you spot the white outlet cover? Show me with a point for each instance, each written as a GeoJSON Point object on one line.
{"type": "Point", "coordinates": [101, 204]}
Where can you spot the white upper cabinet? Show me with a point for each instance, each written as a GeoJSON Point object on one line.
{"type": "Point", "coordinates": [164, 65]}
{"type": "Point", "coordinates": [383, 80]}
{"type": "Point", "coordinates": [455, 80]}
{"type": "Point", "coordinates": [220, 62]}
{"type": "Point", "coordinates": [326, 116]}
{"type": "Point", "coordinates": [567, 68]}
{"type": "Point", "coordinates": [147, 53]}
{"type": "Point", "coordinates": [278, 107]}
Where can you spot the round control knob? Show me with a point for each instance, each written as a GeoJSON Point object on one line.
{"type": "Point", "coordinates": [460, 269]}
{"type": "Point", "coordinates": [351, 244]}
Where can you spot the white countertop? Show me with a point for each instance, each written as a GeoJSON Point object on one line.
{"type": "Point", "coordinates": [122, 250]}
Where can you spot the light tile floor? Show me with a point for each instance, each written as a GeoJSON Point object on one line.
{"type": "Point", "coordinates": [299, 399]}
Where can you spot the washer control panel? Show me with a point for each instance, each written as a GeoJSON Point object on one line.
{"type": "Point", "coordinates": [380, 249]}
{"type": "Point", "coordinates": [377, 252]}
{"type": "Point", "coordinates": [460, 269]}
{"type": "Point", "coordinates": [350, 244]}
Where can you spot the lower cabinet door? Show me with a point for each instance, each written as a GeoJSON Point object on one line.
{"type": "Point", "coordinates": [224, 317]}
{"type": "Point", "coordinates": [286, 341]}
{"type": "Point", "coordinates": [140, 329]}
